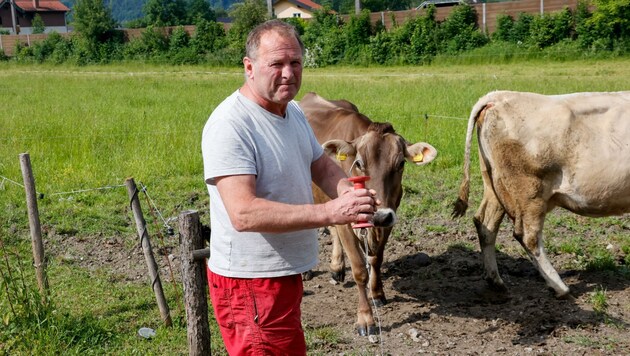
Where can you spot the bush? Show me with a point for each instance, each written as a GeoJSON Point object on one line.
{"type": "Point", "coordinates": [44, 49]}
{"type": "Point", "coordinates": [324, 39]}
{"type": "Point", "coordinates": [505, 29]}
{"type": "Point", "coordinates": [521, 29]}
{"type": "Point", "coordinates": [551, 28]}
{"type": "Point", "coordinates": [459, 31]}
{"type": "Point", "coordinates": [209, 37]}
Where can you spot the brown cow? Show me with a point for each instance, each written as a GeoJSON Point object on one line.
{"type": "Point", "coordinates": [539, 152]}
{"type": "Point", "coordinates": [363, 148]}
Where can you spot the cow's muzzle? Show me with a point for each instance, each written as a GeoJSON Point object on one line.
{"type": "Point", "coordinates": [384, 218]}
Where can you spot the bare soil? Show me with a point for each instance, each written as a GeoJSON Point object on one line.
{"type": "Point", "coordinates": [439, 304]}
{"type": "Point", "coordinates": [437, 301]}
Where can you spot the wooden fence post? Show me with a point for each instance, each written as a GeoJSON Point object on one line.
{"type": "Point", "coordinates": [33, 219]}
{"type": "Point", "coordinates": [195, 282]}
{"type": "Point", "coordinates": [141, 227]}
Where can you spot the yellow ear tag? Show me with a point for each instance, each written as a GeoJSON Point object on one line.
{"type": "Point", "coordinates": [418, 157]}
{"type": "Point", "coordinates": [341, 156]}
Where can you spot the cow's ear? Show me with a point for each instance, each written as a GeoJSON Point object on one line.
{"type": "Point", "coordinates": [420, 153]}
{"type": "Point", "coordinates": [339, 150]}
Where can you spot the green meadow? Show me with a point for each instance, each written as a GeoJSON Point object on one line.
{"type": "Point", "coordinates": [87, 129]}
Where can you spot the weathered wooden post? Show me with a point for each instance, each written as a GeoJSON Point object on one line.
{"type": "Point", "coordinates": [33, 220]}
{"type": "Point", "coordinates": [194, 280]}
{"type": "Point", "coordinates": [141, 227]}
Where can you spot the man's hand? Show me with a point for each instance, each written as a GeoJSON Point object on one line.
{"type": "Point", "coordinates": [352, 206]}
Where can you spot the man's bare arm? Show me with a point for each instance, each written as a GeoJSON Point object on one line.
{"type": "Point", "coordinates": [250, 213]}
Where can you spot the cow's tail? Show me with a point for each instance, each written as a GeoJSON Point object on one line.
{"type": "Point", "coordinates": [460, 206]}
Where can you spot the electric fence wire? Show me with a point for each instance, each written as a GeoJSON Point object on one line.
{"type": "Point", "coordinates": [42, 195]}
{"type": "Point", "coordinates": [77, 191]}
{"type": "Point", "coordinates": [143, 189]}
{"type": "Point", "coordinates": [153, 209]}
{"type": "Point", "coordinates": [5, 179]}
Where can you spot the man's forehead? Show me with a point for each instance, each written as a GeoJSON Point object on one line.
{"type": "Point", "coordinates": [278, 46]}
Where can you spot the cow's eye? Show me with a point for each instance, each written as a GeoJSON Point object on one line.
{"type": "Point", "coordinates": [401, 165]}
{"type": "Point", "coordinates": [359, 165]}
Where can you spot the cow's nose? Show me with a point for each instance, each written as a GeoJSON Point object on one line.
{"type": "Point", "coordinates": [384, 218]}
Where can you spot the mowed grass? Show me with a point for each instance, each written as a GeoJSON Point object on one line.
{"type": "Point", "coordinates": [88, 129]}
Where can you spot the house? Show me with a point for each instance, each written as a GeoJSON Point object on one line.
{"type": "Point", "coordinates": [16, 16]}
{"type": "Point", "coordinates": [295, 8]}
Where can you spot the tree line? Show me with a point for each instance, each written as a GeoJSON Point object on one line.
{"type": "Point", "coordinates": [595, 28]}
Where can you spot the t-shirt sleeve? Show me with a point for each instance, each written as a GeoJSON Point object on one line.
{"type": "Point", "coordinates": [225, 150]}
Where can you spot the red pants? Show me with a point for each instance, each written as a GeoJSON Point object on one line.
{"type": "Point", "coordinates": [259, 316]}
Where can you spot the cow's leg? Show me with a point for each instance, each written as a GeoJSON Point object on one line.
{"type": "Point", "coordinates": [351, 244]}
{"type": "Point", "coordinates": [337, 263]}
{"type": "Point", "coordinates": [532, 241]}
{"type": "Point", "coordinates": [375, 259]}
{"type": "Point", "coordinates": [487, 221]}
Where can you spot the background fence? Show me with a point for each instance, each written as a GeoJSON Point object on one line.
{"type": "Point", "coordinates": [486, 19]}
{"type": "Point", "coordinates": [486, 12]}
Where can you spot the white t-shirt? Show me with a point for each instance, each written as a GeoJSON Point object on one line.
{"type": "Point", "coordinates": [240, 137]}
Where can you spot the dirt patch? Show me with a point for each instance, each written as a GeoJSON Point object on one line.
{"type": "Point", "coordinates": [442, 306]}
{"type": "Point", "coordinates": [437, 301]}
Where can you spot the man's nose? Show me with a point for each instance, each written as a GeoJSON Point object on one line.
{"type": "Point", "coordinates": [288, 71]}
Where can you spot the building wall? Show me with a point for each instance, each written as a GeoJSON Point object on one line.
{"type": "Point", "coordinates": [29, 30]}
{"type": "Point", "coordinates": [5, 16]}
{"type": "Point", "coordinates": [54, 21]}
{"type": "Point", "coordinates": [286, 9]}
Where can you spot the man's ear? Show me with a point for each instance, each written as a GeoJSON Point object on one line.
{"type": "Point", "coordinates": [248, 64]}
{"type": "Point", "coordinates": [420, 153]}
{"type": "Point", "coordinates": [339, 150]}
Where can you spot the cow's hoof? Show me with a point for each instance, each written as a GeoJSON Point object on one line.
{"type": "Point", "coordinates": [307, 276]}
{"type": "Point", "coordinates": [379, 302]}
{"type": "Point", "coordinates": [366, 331]}
{"type": "Point", "coordinates": [496, 287]}
{"type": "Point", "coordinates": [565, 296]}
{"type": "Point", "coordinates": [339, 276]}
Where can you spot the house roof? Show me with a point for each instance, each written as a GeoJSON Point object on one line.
{"type": "Point", "coordinates": [44, 5]}
{"type": "Point", "coordinates": [304, 4]}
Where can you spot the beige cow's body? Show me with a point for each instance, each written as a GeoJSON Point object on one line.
{"type": "Point", "coordinates": [362, 147]}
{"type": "Point", "coordinates": [538, 152]}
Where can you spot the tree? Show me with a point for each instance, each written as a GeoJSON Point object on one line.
{"type": "Point", "coordinates": [200, 10]}
{"type": "Point", "coordinates": [165, 12]}
{"type": "Point", "coordinates": [93, 21]}
{"type": "Point", "coordinates": [38, 24]}
{"type": "Point", "coordinates": [246, 16]}
{"type": "Point", "coordinates": [209, 37]}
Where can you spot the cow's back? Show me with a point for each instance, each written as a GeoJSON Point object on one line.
{"type": "Point", "coordinates": [333, 119]}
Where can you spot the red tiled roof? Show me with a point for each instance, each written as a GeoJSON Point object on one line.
{"type": "Point", "coordinates": [44, 5]}
{"type": "Point", "coordinates": [310, 4]}
{"type": "Point", "coordinates": [307, 4]}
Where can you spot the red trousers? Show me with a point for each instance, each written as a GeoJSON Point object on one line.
{"type": "Point", "coordinates": [259, 316]}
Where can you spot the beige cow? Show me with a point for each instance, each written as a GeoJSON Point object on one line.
{"type": "Point", "coordinates": [363, 148]}
{"type": "Point", "coordinates": [538, 152]}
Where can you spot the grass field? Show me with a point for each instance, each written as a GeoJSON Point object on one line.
{"type": "Point", "coordinates": [88, 129]}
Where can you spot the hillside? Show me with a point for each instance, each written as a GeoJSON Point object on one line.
{"type": "Point", "coordinates": [127, 10]}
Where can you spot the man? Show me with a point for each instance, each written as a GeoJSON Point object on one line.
{"type": "Point", "coordinates": [260, 156]}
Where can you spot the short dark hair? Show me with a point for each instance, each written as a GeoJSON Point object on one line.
{"type": "Point", "coordinates": [282, 28]}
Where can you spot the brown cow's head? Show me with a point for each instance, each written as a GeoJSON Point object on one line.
{"type": "Point", "coordinates": [381, 154]}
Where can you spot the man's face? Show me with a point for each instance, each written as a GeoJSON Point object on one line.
{"type": "Point", "coordinates": [275, 74]}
